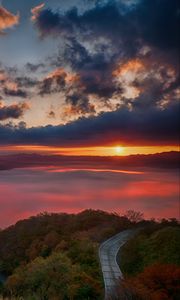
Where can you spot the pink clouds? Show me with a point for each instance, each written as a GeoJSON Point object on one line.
{"type": "Point", "coordinates": [36, 11]}
{"type": "Point", "coordinates": [26, 192]}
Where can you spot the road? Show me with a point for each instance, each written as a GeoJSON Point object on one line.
{"type": "Point", "coordinates": [108, 258]}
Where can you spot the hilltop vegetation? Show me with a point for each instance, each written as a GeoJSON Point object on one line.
{"type": "Point", "coordinates": [55, 256]}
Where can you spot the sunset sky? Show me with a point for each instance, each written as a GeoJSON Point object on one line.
{"type": "Point", "coordinates": [89, 77]}
{"type": "Point", "coordinates": [89, 73]}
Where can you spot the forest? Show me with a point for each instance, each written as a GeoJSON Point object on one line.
{"type": "Point", "coordinates": [55, 257]}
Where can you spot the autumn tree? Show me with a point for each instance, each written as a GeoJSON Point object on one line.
{"type": "Point", "coordinates": [156, 282]}
{"type": "Point", "coordinates": [54, 277]}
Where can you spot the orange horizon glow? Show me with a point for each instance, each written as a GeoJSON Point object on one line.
{"type": "Point", "coordinates": [116, 150]}
{"type": "Point", "coordinates": [57, 170]}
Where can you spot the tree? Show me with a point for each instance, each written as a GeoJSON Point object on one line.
{"type": "Point", "coordinates": [156, 282]}
{"type": "Point", "coordinates": [54, 277]}
{"type": "Point", "coordinates": [134, 216]}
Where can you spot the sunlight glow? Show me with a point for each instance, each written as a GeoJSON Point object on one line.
{"type": "Point", "coordinates": [114, 150]}
{"type": "Point", "coordinates": [119, 150]}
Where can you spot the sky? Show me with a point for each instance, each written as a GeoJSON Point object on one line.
{"type": "Point", "coordinates": [89, 80]}
{"type": "Point", "coordinates": [86, 74]}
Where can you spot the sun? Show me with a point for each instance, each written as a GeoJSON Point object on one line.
{"type": "Point", "coordinates": [118, 150]}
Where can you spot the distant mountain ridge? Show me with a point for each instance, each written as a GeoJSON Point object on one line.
{"type": "Point", "coordinates": [158, 160]}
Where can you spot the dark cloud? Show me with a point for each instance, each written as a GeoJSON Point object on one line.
{"type": "Point", "coordinates": [109, 34]}
{"type": "Point", "coordinates": [49, 22]}
{"type": "Point", "coordinates": [74, 54]}
{"type": "Point", "coordinates": [14, 111]}
{"type": "Point", "coordinates": [100, 21]}
{"type": "Point", "coordinates": [94, 70]}
{"type": "Point", "coordinates": [148, 127]}
{"type": "Point", "coordinates": [26, 82]}
{"type": "Point", "coordinates": [11, 85]}
{"type": "Point", "coordinates": [51, 114]}
{"type": "Point", "coordinates": [34, 67]}
{"type": "Point", "coordinates": [79, 103]}
{"type": "Point", "coordinates": [112, 57]}
{"type": "Point", "coordinates": [99, 39]}
{"type": "Point", "coordinates": [91, 76]}
{"type": "Point", "coordinates": [15, 93]}
{"type": "Point", "coordinates": [55, 82]}
{"type": "Point", "coordinates": [156, 22]}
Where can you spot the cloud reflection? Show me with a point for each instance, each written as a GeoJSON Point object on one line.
{"type": "Point", "coordinates": [26, 192]}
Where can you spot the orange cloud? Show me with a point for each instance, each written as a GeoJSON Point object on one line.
{"type": "Point", "coordinates": [7, 19]}
{"type": "Point", "coordinates": [133, 65]}
{"type": "Point", "coordinates": [60, 72]}
{"type": "Point", "coordinates": [56, 73]}
{"type": "Point", "coordinates": [36, 10]}
{"type": "Point", "coordinates": [126, 73]}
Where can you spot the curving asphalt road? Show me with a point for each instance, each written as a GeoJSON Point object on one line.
{"type": "Point", "coordinates": [108, 254]}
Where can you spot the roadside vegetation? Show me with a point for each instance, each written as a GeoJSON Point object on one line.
{"type": "Point", "coordinates": [151, 263]}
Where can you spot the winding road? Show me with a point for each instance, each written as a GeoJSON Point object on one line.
{"type": "Point", "coordinates": [108, 258]}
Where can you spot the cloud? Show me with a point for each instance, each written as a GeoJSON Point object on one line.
{"type": "Point", "coordinates": [36, 11]}
{"type": "Point", "coordinates": [158, 22]}
{"type": "Point", "coordinates": [94, 69]}
{"type": "Point", "coordinates": [97, 84]}
{"type": "Point", "coordinates": [14, 111]}
{"type": "Point", "coordinates": [15, 92]}
{"type": "Point", "coordinates": [26, 82]}
{"type": "Point", "coordinates": [146, 21]}
{"type": "Point", "coordinates": [51, 114]}
{"type": "Point", "coordinates": [71, 86]}
{"type": "Point", "coordinates": [10, 86]}
{"type": "Point", "coordinates": [149, 127]}
{"type": "Point", "coordinates": [7, 19]}
{"type": "Point", "coordinates": [34, 67]}
{"type": "Point", "coordinates": [49, 22]}
{"type": "Point", "coordinates": [54, 82]}
{"type": "Point", "coordinates": [77, 103]}
{"type": "Point", "coordinates": [155, 192]}
{"type": "Point", "coordinates": [120, 53]}
{"type": "Point", "coordinates": [114, 64]}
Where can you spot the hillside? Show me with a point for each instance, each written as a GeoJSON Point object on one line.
{"type": "Point", "coordinates": [36, 253]}
{"type": "Point", "coordinates": [161, 246]}
{"type": "Point", "coordinates": [56, 255]}
{"type": "Point", "coordinates": [151, 264]}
